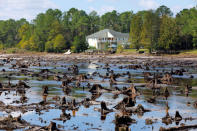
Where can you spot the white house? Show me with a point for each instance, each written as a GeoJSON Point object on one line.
{"type": "Point", "coordinates": [99, 39]}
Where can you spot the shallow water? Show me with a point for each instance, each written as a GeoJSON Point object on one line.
{"type": "Point", "coordinates": [89, 118]}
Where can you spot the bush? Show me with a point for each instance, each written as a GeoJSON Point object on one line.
{"type": "Point", "coordinates": [126, 46]}
{"type": "Point", "coordinates": [59, 43]}
{"type": "Point", "coordinates": [1, 47]}
{"type": "Point", "coordinates": [92, 48]}
{"type": "Point", "coordinates": [119, 49]}
{"type": "Point", "coordinates": [79, 45]}
{"type": "Point", "coordinates": [15, 50]}
{"type": "Point", "coordinates": [49, 46]}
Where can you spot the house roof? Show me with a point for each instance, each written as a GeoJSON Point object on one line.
{"type": "Point", "coordinates": [104, 34]}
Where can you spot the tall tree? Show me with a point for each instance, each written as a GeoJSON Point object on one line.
{"type": "Point", "coordinates": [183, 19]}
{"type": "Point", "coordinates": [150, 29]}
{"type": "Point", "coordinates": [59, 43]}
{"type": "Point", "coordinates": [193, 25]}
{"type": "Point", "coordinates": [45, 27]}
{"type": "Point", "coordinates": [136, 29]}
{"type": "Point", "coordinates": [94, 22]}
{"type": "Point", "coordinates": [169, 34]}
{"type": "Point", "coordinates": [164, 10]}
{"type": "Point", "coordinates": [79, 45]}
{"type": "Point", "coordinates": [110, 20]}
{"type": "Point", "coordinates": [125, 21]}
{"type": "Point", "coordinates": [9, 32]}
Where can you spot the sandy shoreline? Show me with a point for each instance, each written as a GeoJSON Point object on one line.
{"type": "Point", "coordinates": [113, 56]}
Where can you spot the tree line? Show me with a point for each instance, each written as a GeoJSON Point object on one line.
{"type": "Point", "coordinates": [56, 31]}
{"type": "Point", "coordinates": [159, 30]}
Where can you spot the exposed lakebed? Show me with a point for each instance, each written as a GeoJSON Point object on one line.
{"type": "Point", "coordinates": [87, 81]}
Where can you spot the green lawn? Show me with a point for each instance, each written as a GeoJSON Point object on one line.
{"type": "Point", "coordinates": [194, 52]}
{"type": "Point", "coordinates": [134, 50]}
{"type": "Point", "coordinates": [183, 52]}
{"type": "Point", "coordinates": [13, 50]}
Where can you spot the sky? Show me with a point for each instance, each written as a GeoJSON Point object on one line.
{"type": "Point", "coordinates": [28, 9]}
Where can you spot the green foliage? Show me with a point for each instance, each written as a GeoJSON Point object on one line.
{"type": "Point", "coordinates": [107, 44]}
{"type": "Point", "coordinates": [150, 29]}
{"type": "Point", "coordinates": [158, 30]}
{"type": "Point", "coordinates": [125, 21]}
{"type": "Point", "coordinates": [59, 43]}
{"type": "Point", "coordinates": [119, 48]}
{"type": "Point", "coordinates": [186, 20]}
{"type": "Point", "coordinates": [136, 29]}
{"type": "Point", "coordinates": [169, 34]}
{"type": "Point", "coordinates": [14, 50]}
{"type": "Point", "coordinates": [56, 31]}
{"type": "Point", "coordinates": [1, 46]}
{"type": "Point", "coordinates": [144, 30]}
{"type": "Point", "coordinates": [49, 46]}
{"type": "Point", "coordinates": [92, 47]}
{"type": "Point", "coordinates": [9, 32]}
{"type": "Point", "coordinates": [94, 20]}
{"type": "Point", "coordinates": [164, 11]}
{"type": "Point", "coordinates": [79, 45]}
{"type": "Point", "coordinates": [110, 20]}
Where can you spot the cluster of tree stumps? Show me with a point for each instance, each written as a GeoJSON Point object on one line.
{"type": "Point", "coordinates": [98, 52]}
{"type": "Point", "coordinates": [160, 84]}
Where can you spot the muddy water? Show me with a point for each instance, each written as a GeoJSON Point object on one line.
{"type": "Point", "coordinates": [89, 118]}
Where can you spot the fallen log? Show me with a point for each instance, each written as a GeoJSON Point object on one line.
{"type": "Point", "coordinates": [178, 128]}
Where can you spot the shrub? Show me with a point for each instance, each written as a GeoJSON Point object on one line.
{"type": "Point", "coordinates": [119, 49]}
